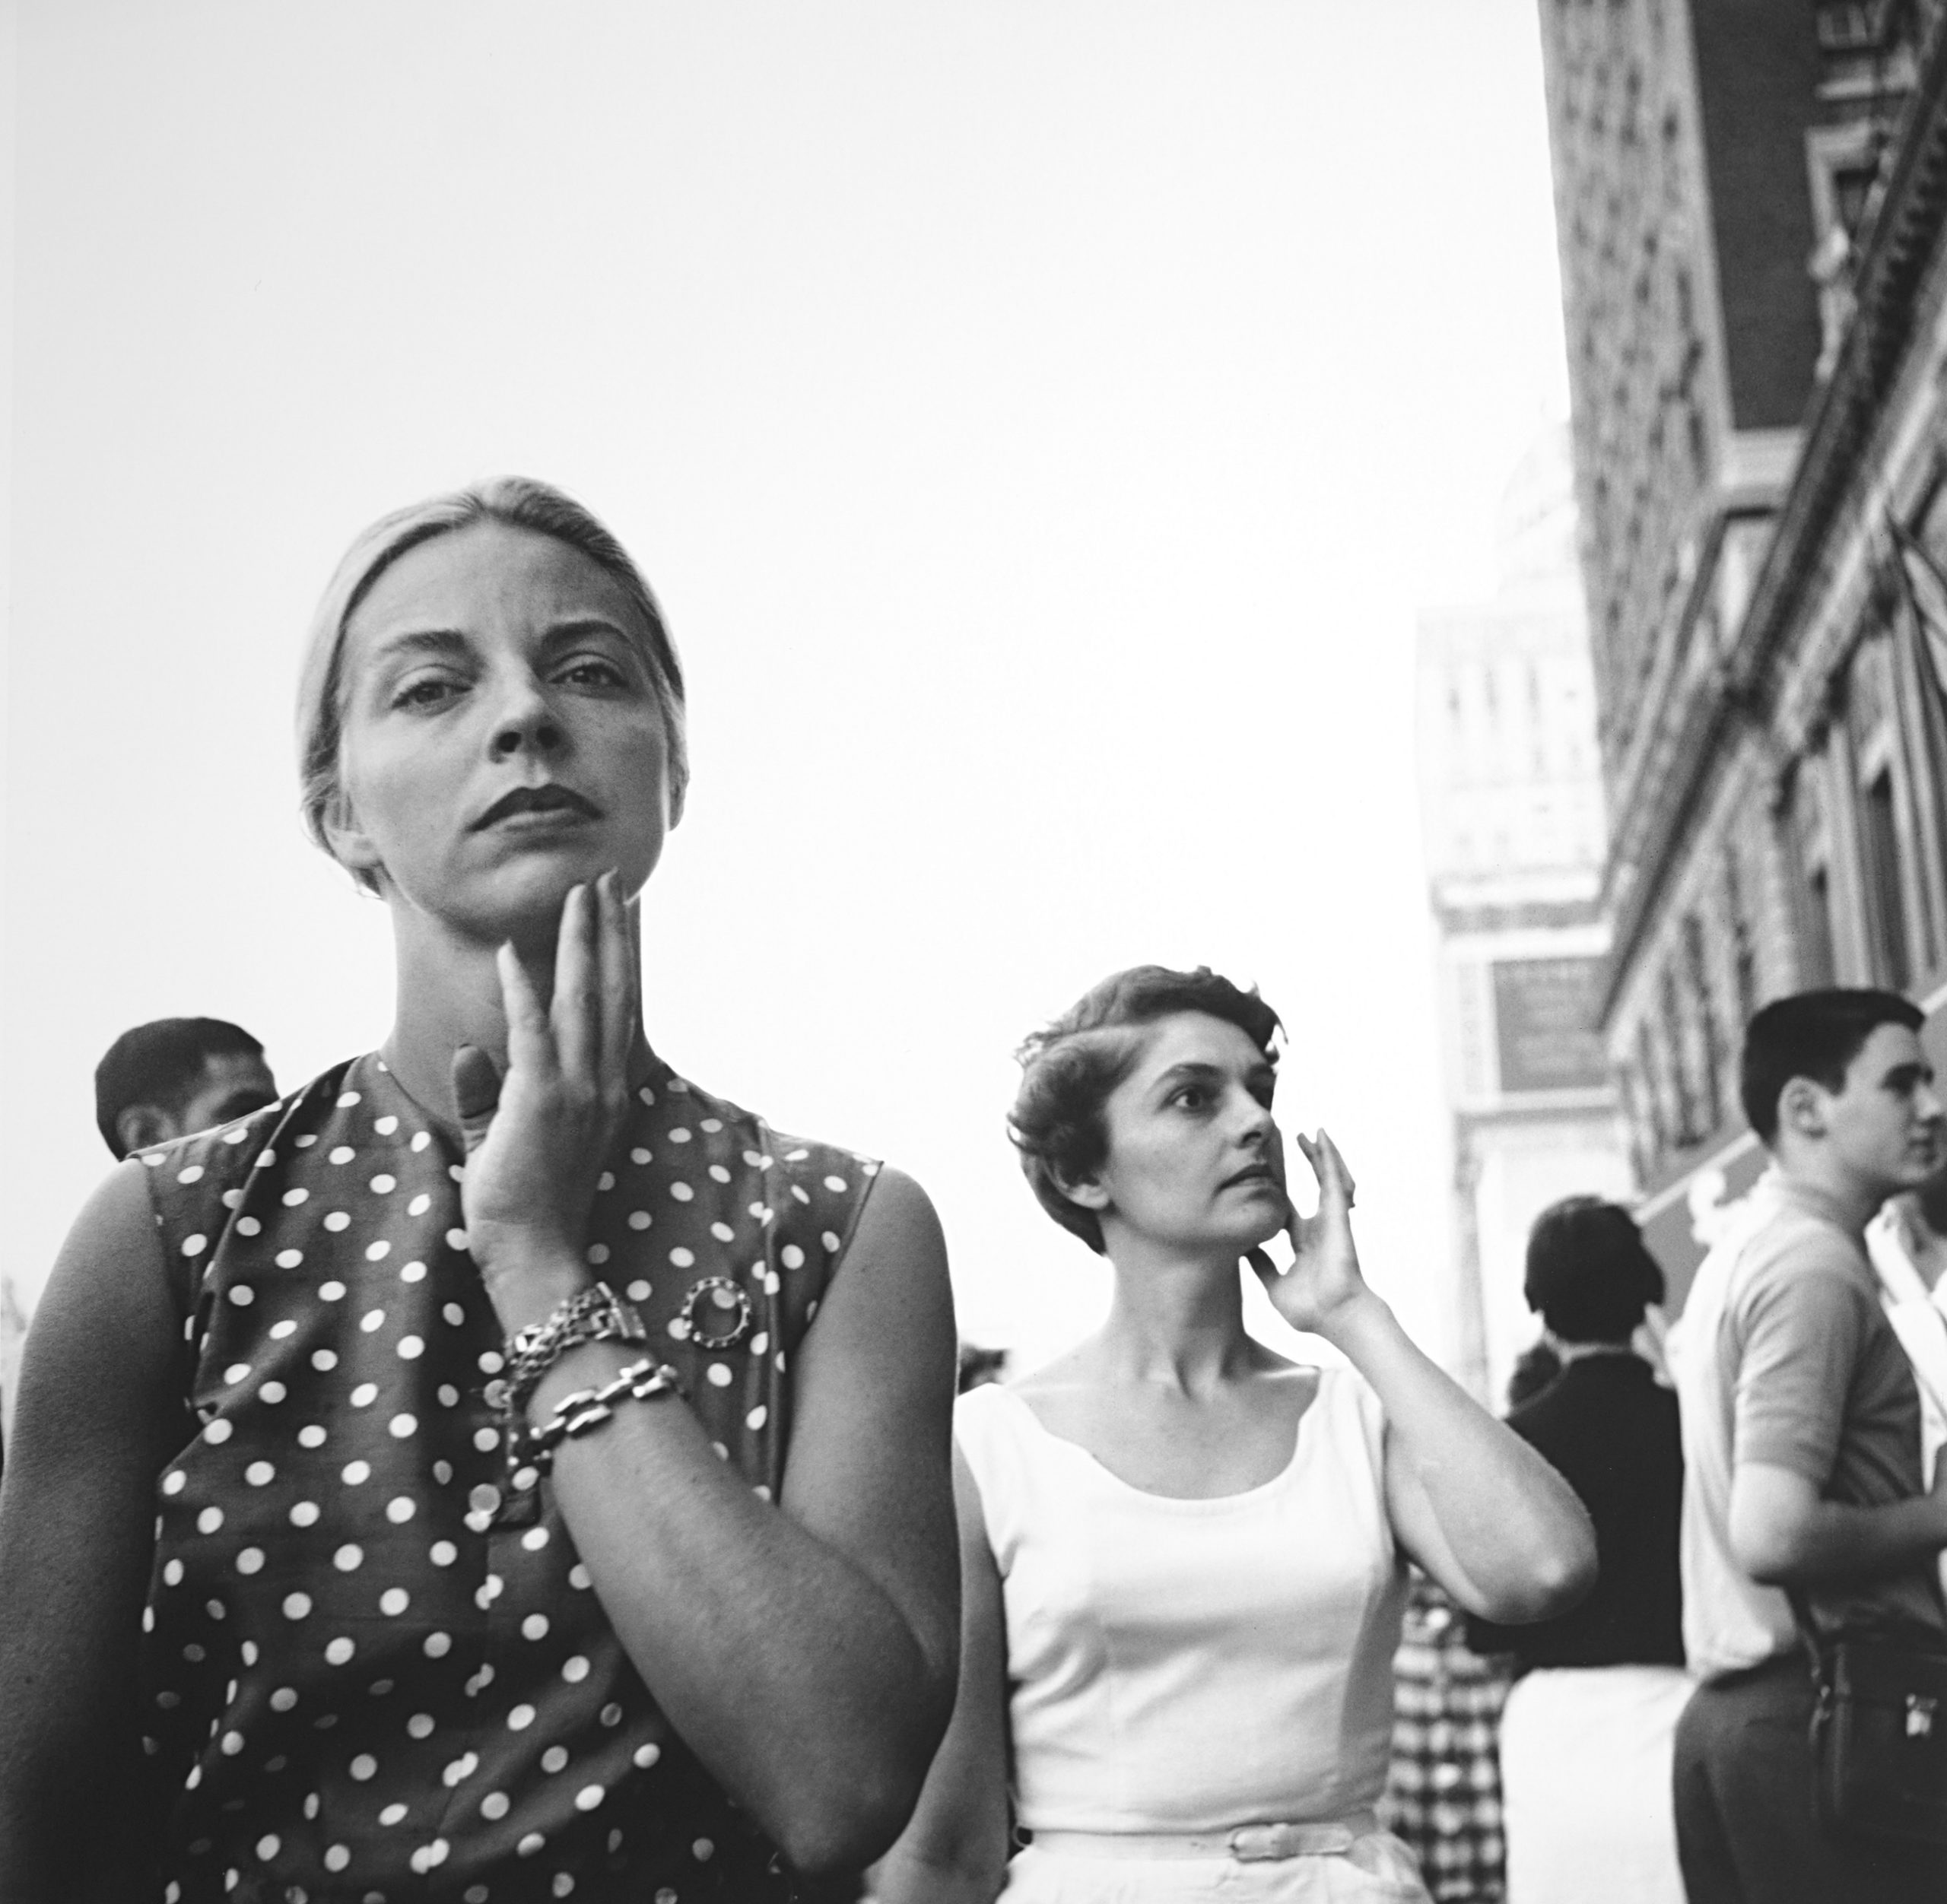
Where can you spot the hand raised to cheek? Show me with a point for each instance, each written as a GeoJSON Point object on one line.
{"type": "Point", "coordinates": [536, 1138]}
{"type": "Point", "coordinates": [1325, 1275]}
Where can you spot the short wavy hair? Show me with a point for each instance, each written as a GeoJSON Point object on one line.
{"type": "Point", "coordinates": [1590, 1274]}
{"type": "Point", "coordinates": [519, 503]}
{"type": "Point", "coordinates": [1069, 1068]}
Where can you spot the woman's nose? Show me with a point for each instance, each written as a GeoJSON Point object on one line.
{"type": "Point", "coordinates": [525, 720]}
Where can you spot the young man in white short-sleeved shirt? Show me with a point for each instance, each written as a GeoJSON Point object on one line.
{"type": "Point", "coordinates": [1802, 1451]}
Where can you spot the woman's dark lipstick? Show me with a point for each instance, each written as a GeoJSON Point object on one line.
{"type": "Point", "coordinates": [549, 797]}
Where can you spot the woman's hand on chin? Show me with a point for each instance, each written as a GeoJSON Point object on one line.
{"type": "Point", "coordinates": [1324, 1284]}
{"type": "Point", "coordinates": [536, 1138]}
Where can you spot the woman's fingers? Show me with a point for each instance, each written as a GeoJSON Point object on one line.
{"type": "Point", "coordinates": [577, 979]}
{"type": "Point", "coordinates": [476, 1093]}
{"type": "Point", "coordinates": [1267, 1271]}
{"type": "Point", "coordinates": [530, 1046]}
{"type": "Point", "coordinates": [1336, 1165]}
{"type": "Point", "coordinates": [1336, 1190]}
{"type": "Point", "coordinates": [617, 948]}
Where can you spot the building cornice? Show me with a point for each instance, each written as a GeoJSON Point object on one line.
{"type": "Point", "coordinates": [1516, 916]}
{"type": "Point", "coordinates": [1904, 229]}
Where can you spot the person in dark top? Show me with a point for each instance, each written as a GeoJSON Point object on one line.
{"type": "Point", "coordinates": [1535, 1369]}
{"type": "Point", "coordinates": [1586, 1734]}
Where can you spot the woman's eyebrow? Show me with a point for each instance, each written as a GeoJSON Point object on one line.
{"type": "Point", "coordinates": [1189, 1069]}
{"type": "Point", "coordinates": [573, 628]}
{"type": "Point", "coordinates": [416, 641]}
{"type": "Point", "coordinates": [574, 625]}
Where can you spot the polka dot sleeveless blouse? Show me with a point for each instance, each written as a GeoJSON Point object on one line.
{"type": "Point", "coordinates": [371, 1670]}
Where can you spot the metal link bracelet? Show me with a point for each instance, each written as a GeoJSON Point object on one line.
{"type": "Point", "coordinates": [595, 1314]}
{"type": "Point", "coordinates": [578, 1414]}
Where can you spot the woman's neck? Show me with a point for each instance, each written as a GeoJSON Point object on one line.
{"type": "Point", "coordinates": [448, 995]}
{"type": "Point", "coordinates": [1176, 1322]}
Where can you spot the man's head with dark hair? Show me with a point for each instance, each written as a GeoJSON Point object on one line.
{"type": "Point", "coordinates": [175, 1075]}
{"type": "Point", "coordinates": [1815, 1035]}
{"type": "Point", "coordinates": [1589, 1275]}
{"type": "Point", "coordinates": [1069, 1070]}
{"type": "Point", "coordinates": [1837, 1085]}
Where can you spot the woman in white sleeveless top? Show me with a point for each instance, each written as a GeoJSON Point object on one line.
{"type": "Point", "coordinates": [1183, 1556]}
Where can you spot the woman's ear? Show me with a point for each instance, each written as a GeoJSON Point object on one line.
{"type": "Point", "coordinates": [350, 845]}
{"type": "Point", "coordinates": [1084, 1191]}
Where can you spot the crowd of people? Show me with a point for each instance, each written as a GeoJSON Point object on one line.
{"type": "Point", "coordinates": [500, 1469]}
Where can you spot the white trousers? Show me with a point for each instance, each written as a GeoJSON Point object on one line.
{"type": "Point", "coordinates": [1585, 1782]}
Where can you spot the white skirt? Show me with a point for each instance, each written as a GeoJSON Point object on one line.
{"type": "Point", "coordinates": [1376, 1868]}
{"type": "Point", "coordinates": [1585, 1780]}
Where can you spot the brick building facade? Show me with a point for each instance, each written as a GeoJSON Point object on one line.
{"type": "Point", "coordinates": [1752, 199]}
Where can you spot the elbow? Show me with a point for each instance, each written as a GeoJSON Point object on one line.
{"type": "Point", "coordinates": [844, 1829]}
{"type": "Point", "coordinates": [1567, 1584]}
{"type": "Point", "coordinates": [1558, 1585]}
{"type": "Point", "coordinates": [1554, 1579]}
{"type": "Point", "coordinates": [1765, 1555]}
{"type": "Point", "coordinates": [850, 1808]}
{"type": "Point", "coordinates": [1569, 1566]}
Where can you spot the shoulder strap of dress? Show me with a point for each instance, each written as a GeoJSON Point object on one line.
{"type": "Point", "coordinates": [815, 1210]}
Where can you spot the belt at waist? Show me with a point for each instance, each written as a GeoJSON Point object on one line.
{"type": "Point", "coordinates": [1249, 1844]}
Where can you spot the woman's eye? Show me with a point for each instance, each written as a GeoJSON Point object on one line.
{"type": "Point", "coordinates": [596, 674]}
{"type": "Point", "coordinates": [428, 691]}
{"type": "Point", "coordinates": [1191, 1097]}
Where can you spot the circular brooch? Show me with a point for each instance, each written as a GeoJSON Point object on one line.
{"type": "Point", "coordinates": [716, 1313]}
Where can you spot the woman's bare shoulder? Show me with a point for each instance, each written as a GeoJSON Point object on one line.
{"type": "Point", "coordinates": [113, 1253]}
{"type": "Point", "coordinates": [106, 1325]}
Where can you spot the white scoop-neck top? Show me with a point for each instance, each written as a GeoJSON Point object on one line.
{"type": "Point", "coordinates": [1189, 1666]}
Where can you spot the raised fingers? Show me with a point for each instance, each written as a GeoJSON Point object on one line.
{"type": "Point", "coordinates": [576, 1004]}
{"type": "Point", "coordinates": [1335, 1163]}
{"type": "Point", "coordinates": [1334, 1181]}
{"type": "Point", "coordinates": [529, 1045]}
{"type": "Point", "coordinates": [616, 946]}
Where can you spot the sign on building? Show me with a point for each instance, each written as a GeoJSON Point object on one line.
{"type": "Point", "coordinates": [1545, 1032]}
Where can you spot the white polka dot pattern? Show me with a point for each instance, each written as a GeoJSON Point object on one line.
{"type": "Point", "coordinates": [365, 1663]}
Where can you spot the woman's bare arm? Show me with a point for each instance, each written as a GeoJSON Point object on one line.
{"type": "Point", "coordinates": [954, 1851]}
{"type": "Point", "coordinates": [1468, 1498]}
{"type": "Point", "coordinates": [807, 1650]}
{"type": "Point", "coordinates": [97, 1416]}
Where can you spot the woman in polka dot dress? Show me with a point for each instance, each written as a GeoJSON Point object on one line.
{"type": "Point", "coordinates": [282, 1617]}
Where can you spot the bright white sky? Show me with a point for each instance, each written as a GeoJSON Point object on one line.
{"type": "Point", "coordinates": [1040, 419]}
